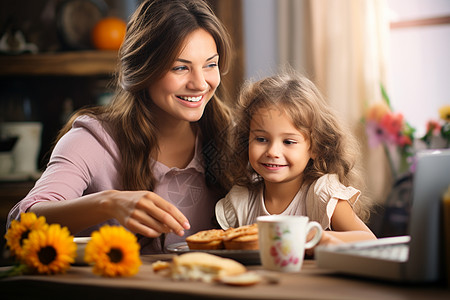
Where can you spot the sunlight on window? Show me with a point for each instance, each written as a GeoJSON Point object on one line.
{"type": "Point", "coordinates": [419, 68]}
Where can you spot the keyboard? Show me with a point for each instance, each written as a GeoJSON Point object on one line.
{"type": "Point", "coordinates": [381, 258]}
{"type": "Point", "coordinates": [394, 252]}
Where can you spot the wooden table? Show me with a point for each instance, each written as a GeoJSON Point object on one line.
{"type": "Point", "coordinates": [311, 283]}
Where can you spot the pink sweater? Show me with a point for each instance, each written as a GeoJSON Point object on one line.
{"type": "Point", "coordinates": [86, 160]}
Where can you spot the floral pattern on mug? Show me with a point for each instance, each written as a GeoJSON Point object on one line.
{"type": "Point", "coordinates": [281, 250]}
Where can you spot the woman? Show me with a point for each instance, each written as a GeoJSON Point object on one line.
{"type": "Point", "coordinates": [153, 160]}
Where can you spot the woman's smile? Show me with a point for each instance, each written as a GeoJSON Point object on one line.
{"type": "Point", "coordinates": [191, 101]}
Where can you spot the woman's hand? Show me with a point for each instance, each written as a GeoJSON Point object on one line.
{"type": "Point", "coordinates": [145, 213]}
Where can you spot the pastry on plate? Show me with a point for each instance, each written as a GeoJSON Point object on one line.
{"type": "Point", "coordinates": [242, 238]}
{"type": "Point", "coordinates": [206, 240]}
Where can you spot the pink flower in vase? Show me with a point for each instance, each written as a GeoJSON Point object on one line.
{"type": "Point", "coordinates": [375, 133]}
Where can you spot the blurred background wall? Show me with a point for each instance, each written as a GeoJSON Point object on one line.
{"type": "Point", "coordinates": [348, 48]}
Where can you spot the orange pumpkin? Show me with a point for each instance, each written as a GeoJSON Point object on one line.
{"type": "Point", "coordinates": [108, 33]}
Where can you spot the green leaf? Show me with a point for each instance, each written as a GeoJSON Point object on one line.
{"type": "Point", "coordinates": [16, 270]}
{"type": "Point", "coordinates": [385, 95]}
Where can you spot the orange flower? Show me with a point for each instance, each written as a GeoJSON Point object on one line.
{"type": "Point", "coordinates": [377, 111]}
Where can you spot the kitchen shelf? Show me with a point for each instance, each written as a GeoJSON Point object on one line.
{"type": "Point", "coordinates": [76, 63]}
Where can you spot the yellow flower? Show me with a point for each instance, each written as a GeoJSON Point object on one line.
{"type": "Point", "coordinates": [19, 230]}
{"type": "Point", "coordinates": [444, 113]}
{"type": "Point", "coordinates": [50, 250]}
{"type": "Point", "coordinates": [286, 247]}
{"type": "Point", "coordinates": [113, 251]}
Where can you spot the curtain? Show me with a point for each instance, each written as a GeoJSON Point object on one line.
{"type": "Point", "coordinates": [342, 46]}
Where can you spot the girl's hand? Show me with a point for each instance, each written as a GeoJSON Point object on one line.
{"type": "Point", "coordinates": [327, 239]}
{"type": "Point", "coordinates": [145, 213]}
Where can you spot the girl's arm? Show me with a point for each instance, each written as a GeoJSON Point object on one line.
{"type": "Point", "coordinates": [346, 226]}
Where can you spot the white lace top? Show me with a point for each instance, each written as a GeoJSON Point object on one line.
{"type": "Point", "coordinates": [317, 201]}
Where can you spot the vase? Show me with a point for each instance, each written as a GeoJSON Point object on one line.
{"type": "Point", "coordinates": [398, 206]}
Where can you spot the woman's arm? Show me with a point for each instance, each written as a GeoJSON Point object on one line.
{"type": "Point", "coordinates": [140, 211]}
{"type": "Point", "coordinates": [85, 161]}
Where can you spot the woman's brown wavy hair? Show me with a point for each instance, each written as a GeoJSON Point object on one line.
{"type": "Point", "coordinates": [335, 148]}
{"type": "Point", "coordinates": [153, 40]}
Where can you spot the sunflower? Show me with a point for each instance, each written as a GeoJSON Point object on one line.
{"type": "Point", "coordinates": [113, 251]}
{"type": "Point", "coordinates": [50, 250]}
{"type": "Point", "coordinates": [19, 230]}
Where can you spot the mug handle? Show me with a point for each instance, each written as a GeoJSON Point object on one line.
{"type": "Point", "coordinates": [316, 239]}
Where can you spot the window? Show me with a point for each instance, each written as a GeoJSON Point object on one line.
{"type": "Point", "coordinates": [419, 67]}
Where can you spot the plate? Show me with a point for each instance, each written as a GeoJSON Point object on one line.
{"type": "Point", "coordinates": [81, 245]}
{"type": "Point", "coordinates": [76, 19]}
{"type": "Point", "coordinates": [246, 257]}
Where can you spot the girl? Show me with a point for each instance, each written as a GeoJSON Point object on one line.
{"type": "Point", "coordinates": [153, 159]}
{"type": "Point", "coordinates": [294, 158]}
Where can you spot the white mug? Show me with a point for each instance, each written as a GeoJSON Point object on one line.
{"type": "Point", "coordinates": [282, 241]}
{"type": "Point", "coordinates": [26, 151]}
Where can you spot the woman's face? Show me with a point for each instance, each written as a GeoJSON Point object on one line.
{"type": "Point", "coordinates": [183, 92]}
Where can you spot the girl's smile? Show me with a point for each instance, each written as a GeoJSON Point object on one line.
{"type": "Point", "coordinates": [273, 167]}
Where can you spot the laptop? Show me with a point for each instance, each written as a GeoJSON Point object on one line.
{"type": "Point", "coordinates": [416, 257]}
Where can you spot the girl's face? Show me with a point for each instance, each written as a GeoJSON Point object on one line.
{"type": "Point", "coordinates": [183, 92]}
{"type": "Point", "coordinates": [278, 151]}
